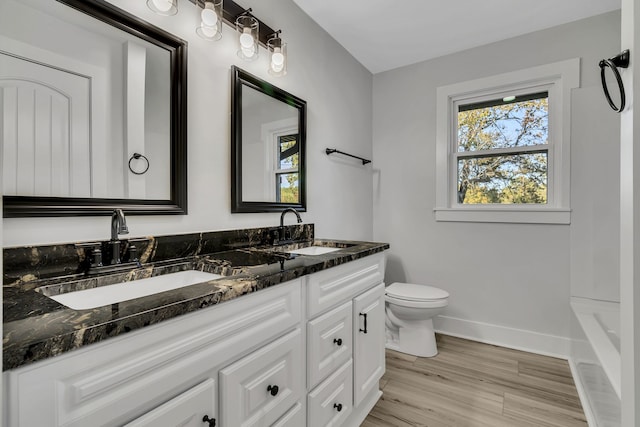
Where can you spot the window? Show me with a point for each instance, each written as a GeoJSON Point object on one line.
{"type": "Point", "coordinates": [503, 147]}
{"type": "Point", "coordinates": [502, 150]}
{"type": "Point", "coordinates": [287, 188]}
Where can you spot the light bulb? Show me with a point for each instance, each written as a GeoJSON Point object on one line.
{"type": "Point", "coordinates": [246, 39]}
{"type": "Point", "coordinates": [277, 59]}
{"type": "Point", "coordinates": [508, 98]}
{"type": "Point", "coordinates": [209, 16]}
{"type": "Point", "coordinates": [163, 5]}
{"type": "Point", "coordinates": [248, 51]}
{"type": "Point", "coordinates": [209, 32]}
{"type": "Point", "coordinates": [277, 67]}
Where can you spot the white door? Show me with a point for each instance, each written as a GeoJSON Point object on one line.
{"type": "Point", "coordinates": [369, 339]}
{"type": "Point", "coordinates": [45, 130]}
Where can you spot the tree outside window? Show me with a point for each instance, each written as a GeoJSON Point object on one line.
{"type": "Point", "coordinates": [503, 150]}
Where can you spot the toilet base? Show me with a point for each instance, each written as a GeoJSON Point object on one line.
{"type": "Point", "coordinates": [419, 340]}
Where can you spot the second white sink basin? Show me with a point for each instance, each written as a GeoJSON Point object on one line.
{"type": "Point", "coordinates": [314, 250]}
{"type": "Point", "coordinates": [111, 294]}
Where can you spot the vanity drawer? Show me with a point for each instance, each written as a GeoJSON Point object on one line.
{"type": "Point", "coordinates": [329, 343]}
{"type": "Point", "coordinates": [295, 417]}
{"type": "Point", "coordinates": [331, 402]}
{"type": "Point", "coordinates": [260, 388]}
{"type": "Point", "coordinates": [186, 410]}
{"type": "Point", "coordinates": [331, 287]}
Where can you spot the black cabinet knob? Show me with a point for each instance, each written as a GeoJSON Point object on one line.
{"type": "Point", "coordinates": [273, 389]}
{"type": "Point", "coordinates": [337, 341]}
{"type": "Point", "coordinates": [211, 421]}
{"type": "Point", "coordinates": [338, 406]}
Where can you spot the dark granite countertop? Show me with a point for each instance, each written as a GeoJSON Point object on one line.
{"type": "Point", "coordinates": [37, 327]}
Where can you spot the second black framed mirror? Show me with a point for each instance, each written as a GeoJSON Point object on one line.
{"type": "Point", "coordinates": [268, 146]}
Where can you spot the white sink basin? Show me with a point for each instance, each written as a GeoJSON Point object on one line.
{"type": "Point", "coordinates": [313, 250]}
{"type": "Point", "coordinates": [111, 294]}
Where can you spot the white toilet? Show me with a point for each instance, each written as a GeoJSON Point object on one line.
{"type": "Point", "coordinates": [410, 311]}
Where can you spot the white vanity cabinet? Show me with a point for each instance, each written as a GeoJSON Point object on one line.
{"type": "Point", "coordinates": [165, 374]}
{"type": "Point", "coordinates": [345, 342]}
{"type": "Point", "coordinates": [308, 352]}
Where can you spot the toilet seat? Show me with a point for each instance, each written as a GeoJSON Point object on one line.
{"type": "Point", "coordinates": [416, 293]}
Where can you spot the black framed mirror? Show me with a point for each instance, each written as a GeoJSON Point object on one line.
{"type": "Point", "coordinates": [268, 146]}
{"type": "Point", "coordinates": [126, 144]}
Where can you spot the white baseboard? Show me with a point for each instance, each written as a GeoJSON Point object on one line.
{"type": "Point", "coordinates": [518, 339]}
{"type": "Point", "coordinates": [582, 394]}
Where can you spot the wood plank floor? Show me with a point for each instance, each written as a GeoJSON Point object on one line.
{"type": "Point", "coordinates": [474, 384]}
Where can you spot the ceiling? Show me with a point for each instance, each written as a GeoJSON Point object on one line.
{"type": "Point", "coordinates": [384, 35]}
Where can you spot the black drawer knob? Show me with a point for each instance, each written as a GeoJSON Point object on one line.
{"type": "Point", "coordinates": [338, 406]}
{"type": "Point", "coordinates": [338, 341]}
{"type": "Point", "coordinates": [211, 421]}
{"type": "Point", "coordinates": [273, 389]}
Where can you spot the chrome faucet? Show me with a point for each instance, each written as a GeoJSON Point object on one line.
{"type": "Point", "coordinates": [118, 226]}
{"type": "Point", "coordinates": [284, 212]}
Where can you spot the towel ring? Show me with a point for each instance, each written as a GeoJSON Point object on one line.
{"type": "Point", "coordinates": [138, 156]}
{"type": "Point", "coordinates": [621, 60]}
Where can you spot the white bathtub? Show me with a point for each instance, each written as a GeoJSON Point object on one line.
{"type": "Point", "coordinates": [595, 359]}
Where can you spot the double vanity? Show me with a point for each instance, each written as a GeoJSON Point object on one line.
{"type": "Point", "coordinates": [223, 329]}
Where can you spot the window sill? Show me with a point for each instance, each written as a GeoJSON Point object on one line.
{"type": "Point", "coordinates": [505, 215]}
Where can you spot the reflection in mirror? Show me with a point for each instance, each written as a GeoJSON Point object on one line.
{"type": "Point", "coordinates": [91, 119]}
{"type": "Point", "coordinates": [267, 146]}
{"type": "Point", "coordinates": [271, 149]}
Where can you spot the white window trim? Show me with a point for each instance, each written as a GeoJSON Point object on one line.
{"type": "Point", "coordinates": [560, 78]}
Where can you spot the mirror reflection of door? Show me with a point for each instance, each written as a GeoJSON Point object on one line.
{"type": "Point", "coordinates": [45, 129]}
{"type": "Point", "coordinates": [80, 97]}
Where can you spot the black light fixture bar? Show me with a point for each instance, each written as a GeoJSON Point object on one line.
{"type": "Point", "coordinates": [231, 10]}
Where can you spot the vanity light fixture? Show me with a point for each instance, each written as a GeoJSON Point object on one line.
{"type": "Point", "coordinates": [211, 21]}
{"type": "Point", "coordinates": [163, 7]}
{"type": "Point", "coordinates": [251, 31]}
{"type": "Point", "coordinates": [278, 49]}
{"type": "Point", "coordinates": [248, 28]}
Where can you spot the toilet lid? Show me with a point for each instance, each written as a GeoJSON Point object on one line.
{"type": "Point", "coordinates": [413, 292]}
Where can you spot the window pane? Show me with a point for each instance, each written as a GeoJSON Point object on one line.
{"type": "Point", "coordinates": [504, 124]}
{"type": "Point", "coordinates": [288, 152]}
{"type": "Point", "coordinates": [287, 188]}
{"type": "Point", "coordinates": [517, 178]}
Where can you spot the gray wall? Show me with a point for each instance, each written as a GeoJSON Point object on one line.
{"type": "Point", "coordinates": [509, 283]}
{"type": "Point", "coordinates": [338, 91]}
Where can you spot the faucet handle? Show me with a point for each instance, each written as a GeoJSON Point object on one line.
{"type": "Point", "coordinates": [93, 252]}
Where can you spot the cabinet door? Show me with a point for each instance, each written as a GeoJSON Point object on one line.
{"type": "Point", "coordinates": [329, 343]}
{"type": "Point", "coordinates": [260, 388]}
{"type": "Point", "coordinates": [187, 410]}
{"type": "Point", "coordinates": [330, 403]}
{"type": "Point", "coordinates": [368, 341]}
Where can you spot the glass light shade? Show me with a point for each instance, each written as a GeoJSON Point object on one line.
{"type": "Point", "coordinates": [211, 21]}
{"type": "Point", "coordinates": [163, 7]}
{"type": "Point", "coordinates": [247, 26]}
{"type": "Point", "coordinates": [278, 63]}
